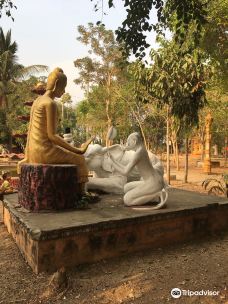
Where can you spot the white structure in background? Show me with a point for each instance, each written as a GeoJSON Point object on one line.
{"type": "Point", "coordinates": [68, 137]}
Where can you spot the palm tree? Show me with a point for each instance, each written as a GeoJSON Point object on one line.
{"type": "Point", "coordinates": [11, 73]}
{"type": "Point", "coordinates": [10, 70]}
{"type": "Point", "coordinates": [65, 99]}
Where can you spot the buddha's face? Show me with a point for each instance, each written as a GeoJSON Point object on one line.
{"type": "Point", "coordinates": [59, 88]}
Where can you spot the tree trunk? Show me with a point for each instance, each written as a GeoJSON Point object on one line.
{"type": "Point", "coordinates": [107, 108]}
{"type": "Point", "coordinates": [174, 129]}
{"type": "Point", "coordinates": [3, 102]}
{"type": "Point", "coordinates": [10, 137]}
{"type": "Point", "coordinates": [202, 142]}
{"type": "Point", "coordinates": [10, 142]}
{"type": "Point", "coordinates": [174, 151]}
{"type": "Point", "coordinates": [109, 122]}
{"type": "Point", "coordinates": [225, 152]}
{"type": "Point", "coordinates": [141, 128]}
{"type": "Point", "coordinates": [167, 147]}
{"type": "Point", "coordinates": [186, 161]}
{"type": "Point", "coordinates": [143, 134]}
{"type": "Point", "coordinates": [177, 157]}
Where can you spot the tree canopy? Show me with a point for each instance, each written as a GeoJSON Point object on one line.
{"type": "Point", "coordinates": [7, 6]}
{"type": "Point", "coordinates": [137, 22]}
{"type": "Point", "coordinates": [10, 70]}
{"type": "Point", "coordinates": [173, 14]}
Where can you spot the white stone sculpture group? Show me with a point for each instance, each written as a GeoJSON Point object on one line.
{"type": "Point", "coordinates": [130, 170]}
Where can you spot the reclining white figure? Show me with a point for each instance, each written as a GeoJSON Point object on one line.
{"type": "Point", "coordinates": [104, 178]}
{"type": "Point", "coordinates": [107, 179]}
{"type": "Point", "coordinates": [152, 184]}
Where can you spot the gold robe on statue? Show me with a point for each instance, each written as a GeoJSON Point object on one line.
{"type": "Point", "coordinates": [40, 149]}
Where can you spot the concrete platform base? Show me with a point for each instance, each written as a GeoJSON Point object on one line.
{"type": "Point", "coordinates": [50, 240]}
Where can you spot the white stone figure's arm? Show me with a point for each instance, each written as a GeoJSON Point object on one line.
{"type": "Point", "coordinates": [51, 111]}
{"type": "Point", "coordinates": [107, 149]}
{"type": "Point", "coordinates": [124, 170]}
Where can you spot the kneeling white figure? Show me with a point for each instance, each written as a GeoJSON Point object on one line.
{"type": "Point", "coordinates": [151, 185]}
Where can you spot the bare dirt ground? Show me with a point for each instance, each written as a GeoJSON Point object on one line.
{"type": "Point", "coordinates": [142, 278]}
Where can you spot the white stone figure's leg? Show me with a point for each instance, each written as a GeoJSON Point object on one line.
{"type": "Point", "coordinates": [163, 195]}
{"type": "Point", "coordinates": [142, 194]}
{"type": "Point", "coordinates": [132, 185]}
{"type": "Point", "coordinates": [114, 184]}
{"type": "Point", "coordinates": [131, 200]}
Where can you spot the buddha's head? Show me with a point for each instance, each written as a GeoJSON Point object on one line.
{"type": "Point", "coordinates": [57, 82]}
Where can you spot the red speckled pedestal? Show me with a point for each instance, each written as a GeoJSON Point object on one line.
{"type": "Point", "coordinates": [48, 187]}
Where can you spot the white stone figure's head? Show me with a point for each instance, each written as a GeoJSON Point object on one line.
{"type": "Point", "coordinates": [134, 139]}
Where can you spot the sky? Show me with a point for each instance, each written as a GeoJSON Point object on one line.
{"type": "Point", "coordinates": [46, 32]}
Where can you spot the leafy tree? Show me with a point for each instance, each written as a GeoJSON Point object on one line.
{"type": "Point", "coordinates": [10, 70]}
{"type": "Point", "coordinates": [10, 122]}
{"type": "Point", "coordinates": [133, 31]}
{"type": "Point", "coordinates": [147, 118]}
{"type": "Point", "coordinates": [137, 21]}
{"type": "Point", "coordinates": [174, 81]}
{"type": "Point", "coordinates": [11, 78]}
{"type": "Point", "coordinates": [65, 100]}
{"type": "Point", "coordinates": [68, 114]}
{"type": "Point", "coordinates": [103, 67]}
{"type": "Point", "coordinates": [214, 40]}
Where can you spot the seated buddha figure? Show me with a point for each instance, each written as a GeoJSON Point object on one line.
{"type": "Point", "coordinates": [44, 145]}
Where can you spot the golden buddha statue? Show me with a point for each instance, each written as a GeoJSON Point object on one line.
{"type": "Point", "coordinates": [44, 146]}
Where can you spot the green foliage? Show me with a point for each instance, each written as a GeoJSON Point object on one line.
{"type": "Point", "coordinates": [98, 74]}
{"type": "Point", "coordinates": [66, 99]}
{"type": "Point", "coordinates": [178, 81]}
{"type": "Point", "coordinates": [214, 41]}
{"type": "Point", "coordinates": [10, 70]}
{"type": "Point", "coordinates": [9, 118]}
{"type": "Point", "coordinates": [7, 6]}
{"type": "Point", "coordinates": [103, 47]}
{"type": "Point", "coordinates": [13, 88]}
{"type": "Point", "coordinates": [67, 116]}
{"type": "Point", "coordinates": [218, 106]}
{"type": "Point", "coordinates": [134, 29]}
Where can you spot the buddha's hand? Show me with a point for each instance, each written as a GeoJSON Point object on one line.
{"type": "Point", "coordinates": [85, 145]}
